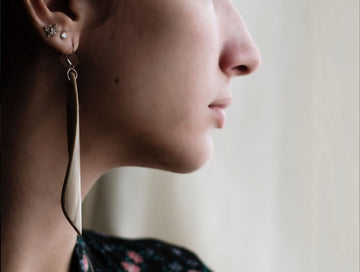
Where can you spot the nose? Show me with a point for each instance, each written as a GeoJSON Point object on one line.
{"type": "Point", "coordinates": [239, 55]}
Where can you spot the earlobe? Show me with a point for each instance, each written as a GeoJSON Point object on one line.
{"type": "Point", "coordinates": [56, 28]}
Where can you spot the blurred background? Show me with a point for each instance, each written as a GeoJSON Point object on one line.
{"type": "Point", "coordinates": [282, 190]}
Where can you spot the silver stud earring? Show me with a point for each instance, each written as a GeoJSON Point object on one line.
{"type": "Point", "coordinates": [50, 30]}
{"type": "Point", "coordinates": [63, 35]}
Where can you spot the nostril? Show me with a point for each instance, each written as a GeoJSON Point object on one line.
{"type": "Point", "coordinates": [243, 69]}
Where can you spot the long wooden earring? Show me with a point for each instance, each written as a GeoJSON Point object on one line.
{"type": "Point", "coordinates": [71, 192]}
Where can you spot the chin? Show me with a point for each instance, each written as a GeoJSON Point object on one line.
{"type": "Point", "coordinates": [187, 158]}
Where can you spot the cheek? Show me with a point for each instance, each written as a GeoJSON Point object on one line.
{"type": "Point", "coordinates": [159, 83]}
{"type": "Point", "coordinates": [162, 134]}
{"type": "Point", "coordinates": [175, 137]}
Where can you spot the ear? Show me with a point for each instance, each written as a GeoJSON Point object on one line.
{"type": "Point", "coordinates": [59, 29]}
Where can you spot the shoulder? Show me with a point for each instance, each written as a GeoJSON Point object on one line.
{"type": "Point", "coordinates": [99, 252]}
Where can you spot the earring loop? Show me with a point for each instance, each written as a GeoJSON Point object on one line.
{"type": "Point", "coordinates": [70, 62]}
{"type": "Point", "coordinates": [69, 71]}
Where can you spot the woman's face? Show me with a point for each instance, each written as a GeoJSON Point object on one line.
{"type": "Point", "coordinates": [156, 75]}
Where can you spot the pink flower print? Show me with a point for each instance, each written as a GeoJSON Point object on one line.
{"type": "Point", "coordinates": [135, 257]}
{"type": "Point", "coordinates": [129, 267]}
{"type": "Point", "coordinates": [85, 263]}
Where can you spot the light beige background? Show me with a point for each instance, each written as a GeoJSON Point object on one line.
{"type": "Point", "coordinates": [282, 191]}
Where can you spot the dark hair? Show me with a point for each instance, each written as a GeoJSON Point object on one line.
{"type": "Point", "coordinates": [18, 38]}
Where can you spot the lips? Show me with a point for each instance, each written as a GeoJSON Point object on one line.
{"type": "Point", "coordinates": [218, 109]}
{"type": "Point", "coordinates": [221, 103]}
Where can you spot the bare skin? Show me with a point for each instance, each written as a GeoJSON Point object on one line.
{"type": "Point", "coordinates": [147, 78]}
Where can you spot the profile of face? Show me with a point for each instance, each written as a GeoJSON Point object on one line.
{"type": "Point", "coordinates": [154, 79]}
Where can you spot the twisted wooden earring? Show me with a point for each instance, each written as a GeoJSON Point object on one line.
{"type": "Point", "coordinates": [71, 192]}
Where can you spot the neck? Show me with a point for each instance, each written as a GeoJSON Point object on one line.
{"type": "Point", "coordinates": [34, 160]}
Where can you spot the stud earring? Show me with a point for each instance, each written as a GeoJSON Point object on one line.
{"type": "Point", "coordinates": [63, 35]}
{"type": "Point", "coordinates": [50, 30]}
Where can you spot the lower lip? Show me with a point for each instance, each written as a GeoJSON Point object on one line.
{"type": "Point", "coordinates": [220, 116]}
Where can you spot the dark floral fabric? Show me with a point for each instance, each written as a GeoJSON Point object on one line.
{"type": "Point", "coordinates": [95, 252]}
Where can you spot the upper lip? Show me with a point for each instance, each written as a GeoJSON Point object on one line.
{"type": "Point", "coordinates": [221, 103]}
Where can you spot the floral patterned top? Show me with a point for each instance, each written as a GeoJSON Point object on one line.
{"type": "Point", "coordinates": [95, 252]}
